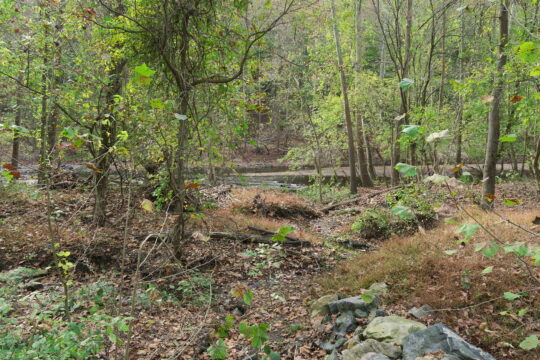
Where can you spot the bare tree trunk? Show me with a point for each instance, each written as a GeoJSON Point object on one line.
{"type": "Point", "coordinates": [43, 156]}
{"type": "Point", "coordinates": [535, 168]}
{"type": "Point", "coordinates": [365, 179]}
{"type": "Point", "coordinates": [396, 151]}
{"type": "Point", "coordinates": [443, 59]}
{"type": "Point", "coordinates": [178, 177]}
{"type": "Point", "coordinates": [346, 107]}
{"type": "Point", "coordinates": [490, 165]}
{"type": "Point", "coordinates": [459, 120]}
{"type": "Point", "coordinates": [16, 133]}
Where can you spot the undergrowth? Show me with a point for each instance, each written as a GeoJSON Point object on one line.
{"type": "Point", "coordinates": [464, 284]}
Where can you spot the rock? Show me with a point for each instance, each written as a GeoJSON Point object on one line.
{"type": "Point", "coordinates": [439, 337]}
{"type": "Point", "coordinates": [352, 342]}
{"type": "Point", "coordinates": [332, 356]}
{"type": "Point", "coordinates": [374, 356]}
{"type": "Point", "coordinates": [320, 306]}
{"type": "Point", "coordinates": [327, 346]}
{"type": "Point", "coordinates": [377, 313]}
{"type": "Point", "coordinates": [421, 312]}
{"type": "Point", "coordinates": [392, 329]}
{"type": "Point", "coordinates": [360, 313]}
{"type": "Point", "coordinates": [379, 288]}
{"type": "Point", "coordinates": [352, 304]}
{"type": "Point", "coordinates": [372, 346]}
{"type": "Point", "coordinates": [345, 323]}
{"type": "Point", "coordinates": [339, 342]}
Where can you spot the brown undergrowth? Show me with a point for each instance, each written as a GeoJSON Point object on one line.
{"type": "Point", "coordinates": [419, 271]}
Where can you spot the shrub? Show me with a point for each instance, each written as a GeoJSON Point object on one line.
{"type": "Point", "coordinates": [374, 223]}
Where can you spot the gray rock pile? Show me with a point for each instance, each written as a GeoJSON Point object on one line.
{"type": "Point", "coordinates": [386, 336]}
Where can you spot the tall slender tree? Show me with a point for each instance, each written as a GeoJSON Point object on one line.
{"type": "Point", "coordinates": [494, 118]}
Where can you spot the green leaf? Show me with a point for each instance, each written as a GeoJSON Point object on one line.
{"type": "Point", "coordinates": [218, 350]}
{"type": "Point", "coordinates": [403, 212]}
{"type": "Point", "coordinates": [144, 70]}
{"type": "Point", "coordinates": [522, 312]}
{"type": "Point", "coordinates": [511, 296]}
{"type": "Point", "coordinates": [510, 138]}
{"type": "Point", "coordinates": [491, 251]}
{"type": "Point", "coordinates": [535, 71]}
{"type": "Point", "coordinates": [157, 104]}
{"type": "Point", "coordinates": [530, 343]}
{"type": "Point", "coordinates": [247, 297]}
{"type": "Point", "coordinates": [487, 270]}
{"type": "Point", "coordinates": [406, 169]}
{"type": "Point", "coordinates": [367, 296]}
{"type": "Point", "coordinates": [405, 84]}
{"type": "Point", "coordinates": [281, 234]}
{"type": "Point", "coordinates": [467, 230]}
{"type": "Point", "coordinates": [512, 202]}
{"type": "Point", "coordinates": [411, 130]}
{"type": "Point", "coordinates": [450, 252]}
{"type": "Point", "coordinates": [528, 51]}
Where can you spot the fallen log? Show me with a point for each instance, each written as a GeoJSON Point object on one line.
{"type": "Point", "coordinates": [258, 239]}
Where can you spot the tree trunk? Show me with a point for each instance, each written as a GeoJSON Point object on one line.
{"type": "Point", "coordinates": [108, 127]}
{"type": "Point", "coordinates": [459, 120]}
{"type": "Point", "coordinates": [178, 178]}
{"type": "Point", "coordinates": [492, 144]}
{"type": "Point", "coordinates": [365, 179]}
{"type": "Point", "coordinates": [346, 107]}
{"type": "Point", "coordinates": [443, 59]}
{"type": "Point", "coordinates": [16, 133]}
{"type": "Point", "coordinates": [43, 156]}
{"type": "Point", "coordinates": [396, 150]}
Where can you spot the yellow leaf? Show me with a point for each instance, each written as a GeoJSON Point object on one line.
{"type": "Point", "coordinates": [148, 206]}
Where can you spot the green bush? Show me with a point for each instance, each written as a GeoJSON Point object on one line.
{"type": "Point", "coordinates": [374, 223]}
{"type": "Point", "coordinates": [33, 327]}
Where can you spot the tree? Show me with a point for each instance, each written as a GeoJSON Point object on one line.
{"type": "Point", "coordinates": [346, 106]}
{"type": "Point", "coordinates": [494, 119]}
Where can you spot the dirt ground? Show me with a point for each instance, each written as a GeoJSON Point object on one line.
{"type": "Point", "coordinates": [187, 300]}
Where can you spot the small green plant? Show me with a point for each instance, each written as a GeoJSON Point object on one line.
{"type": "Point", "coordinates": [257, 333]}
{"type": "Point", "coordinates": [162, 193]}
{"type": "Point", "coordinates": [66, 270]}
{"type": "Point", "coordinates": [34, 326]}
{"type": "Point", "coordinates": [268, 257]}
{"type": "Point", "coordinates": [374, 223]}
{"type": "Point", "coordinates": [330, 192]}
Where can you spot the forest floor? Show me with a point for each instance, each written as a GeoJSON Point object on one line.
{"type": "Point", "coordinates": [180, 306]}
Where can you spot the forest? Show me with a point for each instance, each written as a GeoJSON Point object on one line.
{"type": "Point", "coordinates": [270, 179]}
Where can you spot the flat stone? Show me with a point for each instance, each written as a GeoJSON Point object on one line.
{"type": "Point", "coordinates": [439, 337]}
{"type": "Point", "coordinates": [392, 329]}
{"type": "Point", "coordinates": [352, 304]}
{"type": "Point", "coordinates": [320, 306]}
{"type": "Point", "coordinates": [421, 312]}
{"type": "Point", "coordinates": [345, 323]}
{"type": "Point", "coordinates": [379, 288]}
{"type": "Point", "coordinates": [372, 346]}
